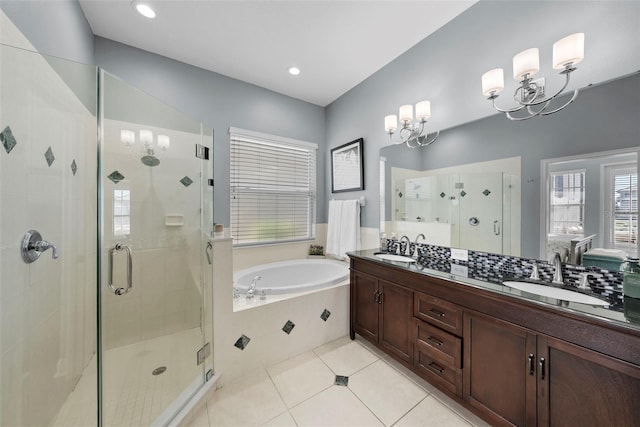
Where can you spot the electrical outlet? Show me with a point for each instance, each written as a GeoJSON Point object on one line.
{"type": "Point", "coordinates": [460, 270]}
{"type": "Point", "coordinates": [460, 254]}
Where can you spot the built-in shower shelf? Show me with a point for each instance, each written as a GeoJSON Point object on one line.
{"type": "Point", "coordinates": [173, 220]}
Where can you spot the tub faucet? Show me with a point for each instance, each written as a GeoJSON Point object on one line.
{"type": "Point", "coordinates": [252, 287]}
{"type": "Point", "coordinates": [556, 260]}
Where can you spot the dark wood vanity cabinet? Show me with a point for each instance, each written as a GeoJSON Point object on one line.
{"type": "Point", "coordinates": [582, 387]}
{"type": "Point", "coordinates": [510, 361]}
{"type": "Point", "coordinates": [514, 376]}
{"type": "Point", "coordinates": [500, 370]}
{"type": "Point", "coordinates": [381, 312]}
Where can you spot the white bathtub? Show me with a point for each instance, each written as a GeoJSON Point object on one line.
{"type": "Point", "coordinates": [300, 275]}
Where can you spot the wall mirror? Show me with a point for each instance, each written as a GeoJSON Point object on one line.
{"type": "Point", "coordinates": [474, 206]}
{"type": "Point", "coordinates": [587, 201]}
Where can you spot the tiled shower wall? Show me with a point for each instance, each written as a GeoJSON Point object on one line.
{"type": "Point", "coordinates": [47, 169]}
{"type": "Point", "coordinates": [164, 238]}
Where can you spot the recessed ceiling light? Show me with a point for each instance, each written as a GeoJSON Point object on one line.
{"type": "Point", "coordinates": [144, 9]}
{"type": "Point", "coordinates": [294, 71]}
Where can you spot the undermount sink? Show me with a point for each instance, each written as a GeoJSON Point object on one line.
{"type": "Point", "coordinates": [557, 293]}
{"type": "Point", "coordinates": [392, 257]}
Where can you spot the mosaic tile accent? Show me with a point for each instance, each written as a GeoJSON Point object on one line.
{"type": "Point", "coordinates": [497, 268]}
{"type": "Point", "coordinates": [442, 195]}
{"type": "Point", "coordinates": [242, 342]}
{"type": "Point", "coordinates": [74, 167]}
{"type": "Point", "coordinates": [7, 139]}
{"type": "Point", "coordinates": [186, 181]}
{"type": "Point", "coordinates": [49, 156]}
{"type": "Point", "coordinates": [342, 380]}
{"type": "Point", "coordinates": [288, 327]}
{"type": "Point", "coordinates": [325, 314]}
{"type": "Point", "coordinates": [115, 176]}
{"type": "Point", "coordinates": [486, 192]}
{"type": "Point", "coordinates": [463, 193]}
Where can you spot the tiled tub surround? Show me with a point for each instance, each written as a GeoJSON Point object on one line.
{"type": "Point", "coordinates": [497, 268]}
{"type": "Point", "coordinates": [269, 333]}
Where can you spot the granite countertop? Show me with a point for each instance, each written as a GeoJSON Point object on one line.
{"type": "Point", "coordinates": [491, 280]}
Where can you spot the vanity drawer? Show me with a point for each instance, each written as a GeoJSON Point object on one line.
{"type": "Point", "coordinates": [438, 312]}
{"type": "Point", "coordinates": [438, 344]}
{"type": "Point", "coordinates": [438, 373]}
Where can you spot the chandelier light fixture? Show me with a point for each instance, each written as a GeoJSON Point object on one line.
{"type": "Point", "coordinates": [149, 155]}
{"type": "Point", "coordinates": [567, 52]}
{"type": "Point", "coordinates": [411, 133]}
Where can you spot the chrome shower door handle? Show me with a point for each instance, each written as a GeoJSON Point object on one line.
{"type": "Point", "coordinates": [116, 290]}
{"type": "Point", "coordinates": [496, 227]}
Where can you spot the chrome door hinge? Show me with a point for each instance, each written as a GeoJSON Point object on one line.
{"type": "Point", "coordinates": [202, 152]}
{"type": "Point", "coordinates": [203, 353]}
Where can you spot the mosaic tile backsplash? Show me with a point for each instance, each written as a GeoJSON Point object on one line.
{"type": "Point", "coordinates": [497, 268]}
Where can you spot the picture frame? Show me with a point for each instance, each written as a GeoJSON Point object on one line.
{"type": "Point", "coordinates": [347, 167]}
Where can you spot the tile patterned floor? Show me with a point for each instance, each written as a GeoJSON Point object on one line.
{"type": "Point", "coordinates": [302, 391]}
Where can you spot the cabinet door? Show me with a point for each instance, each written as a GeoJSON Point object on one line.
{"type": "Point", "coordinates": [499, 370]}
{"type": "Point", "coordinates": [395, 320]}
{"type": "Point", "coordinates": [364, 306]}
{"type": "Point", "coordinates": [583, 387]}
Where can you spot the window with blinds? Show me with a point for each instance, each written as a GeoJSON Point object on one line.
{"type": "Point", "coordinates": [567, 204]}
{"type": "Point", "coordinates": [625, 219]}
{"type": "Point", "coordinates": [273, 189]}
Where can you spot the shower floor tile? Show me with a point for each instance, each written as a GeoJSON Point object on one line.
{"type": "Point", "coordinates": [365, 401]}
{"type": "Point", "coordinates": [133, 396]}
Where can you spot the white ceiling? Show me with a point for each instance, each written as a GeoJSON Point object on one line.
{"type": "Point", "coordinates": [336, 44]}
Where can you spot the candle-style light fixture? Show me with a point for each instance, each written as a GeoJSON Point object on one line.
{"type": "Point", "coordinates": [149, 155]}
{"type": "Point", "coordinates": [567, 52]}
{"type": "Point", "coordinates": [412, 134]}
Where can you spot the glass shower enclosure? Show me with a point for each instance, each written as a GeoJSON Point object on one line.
{"type": "Point", "coordinates": [105, 285]}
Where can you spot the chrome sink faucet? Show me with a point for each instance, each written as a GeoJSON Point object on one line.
{"type": "Point", "coordinates": [406, 247]}
{"type": "Point", "coordinates": [415, 245]}
{"type": "Point", "coordinates": [556, 261]}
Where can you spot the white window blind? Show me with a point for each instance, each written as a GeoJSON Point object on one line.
{"type": "Point", "coordinates": [625, 220]}
{"type": "Point", "coordinates": [273, 189]}
{"type": "Point", "coordinates": [567, 204]}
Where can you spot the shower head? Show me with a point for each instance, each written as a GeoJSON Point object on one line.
{"type": "Point", "coordinates": [150, 160]}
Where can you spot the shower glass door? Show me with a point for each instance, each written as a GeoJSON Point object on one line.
{"type": "Point", "coordinates": [152, 256]}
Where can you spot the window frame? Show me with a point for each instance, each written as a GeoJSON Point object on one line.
{"type": "Point", "coordinates": [278, 142]}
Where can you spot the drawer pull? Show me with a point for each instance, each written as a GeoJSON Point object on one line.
{"type": "Point", "coordinates": [542, 368]}
{"type": "Point", "coordinates": [434, 367]}
{"type": "Point", "coordinates": [532, 364]}
{"type": "Point", "coordinates": [435, 341]}
{"type": "Point", "coordinates": [436, 312]}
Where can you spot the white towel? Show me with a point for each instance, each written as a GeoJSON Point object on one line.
{"type": "Point", "coordinates": [350, 227]}
{"type": "Point", "coordinates": [333, 228]}
{"type": "Point", "coordinates": [343, 228]}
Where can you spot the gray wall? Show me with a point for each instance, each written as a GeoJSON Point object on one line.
{"type": "Point", "coordinates": [219, 102]}
{"type": "Point", "coordinates": [57, 28]}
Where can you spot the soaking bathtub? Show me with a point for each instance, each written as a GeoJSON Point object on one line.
{"type": "Point", "coordinates": [292, 277]}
